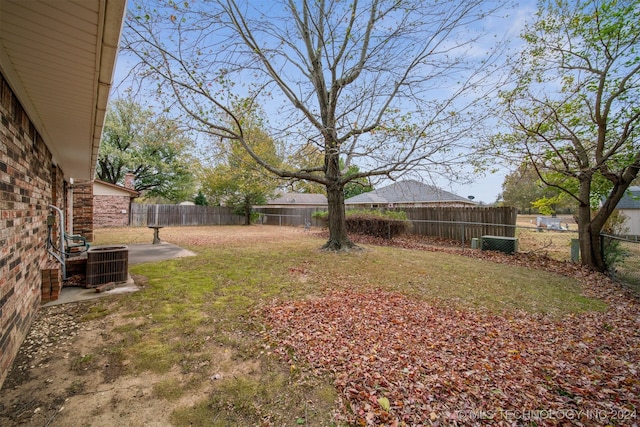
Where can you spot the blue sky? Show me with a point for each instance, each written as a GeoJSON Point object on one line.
{"type": "Point", "coordinates": [487, 188]}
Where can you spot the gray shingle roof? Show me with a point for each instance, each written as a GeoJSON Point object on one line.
{"type": "Point", "coordinates": [410, 191]}
{"type": "Point", "coordinates": [631, 199]}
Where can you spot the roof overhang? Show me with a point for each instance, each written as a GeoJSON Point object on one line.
{"type": "Point", "coordinates": [59, 58]}
{"type": "Point", "coordinates": [118, 189]}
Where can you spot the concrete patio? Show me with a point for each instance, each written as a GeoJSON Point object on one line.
{"type": "Point", "coordinates": [138, 254]}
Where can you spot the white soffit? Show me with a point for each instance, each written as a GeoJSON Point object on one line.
{"type": "Point", "coordinates": [59, 56]}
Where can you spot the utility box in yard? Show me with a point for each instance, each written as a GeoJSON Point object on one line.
{"type": "Point", "coordinates": [508, 245]}
{"type": "Point", "coordinates": [475, 243]}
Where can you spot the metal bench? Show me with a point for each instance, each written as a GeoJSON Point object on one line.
{"type": "Point", "coordinates": [75, 243]}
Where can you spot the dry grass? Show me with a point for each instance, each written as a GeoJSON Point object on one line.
{"type": "Point", "coordinates": [552, 243]}
{"type": "Point", "coordinates": [199, 237]}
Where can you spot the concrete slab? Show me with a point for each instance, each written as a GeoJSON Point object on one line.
{"type": "Point", "coordinates": [138, 254]}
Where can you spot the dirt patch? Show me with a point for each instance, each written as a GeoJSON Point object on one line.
{"type": "Point", "coordinates": [67, 374]}
{"type": "Point", "coordinates": [54, 367]}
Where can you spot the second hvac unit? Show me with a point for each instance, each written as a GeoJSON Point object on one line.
{"type": "Point", "coordinates": [107, 264]}
{"type": "Point", "coordinates": [508, 245]}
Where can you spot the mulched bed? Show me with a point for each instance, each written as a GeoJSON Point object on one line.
{"type": "Point", "coordinates": [398, 361]}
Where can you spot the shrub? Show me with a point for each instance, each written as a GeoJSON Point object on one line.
{"type": "Point", "coordinates": [614, 253]}
{"type": "Point", "coordinates": [385, 224]}
{"type": "Point", "coordinates": [321, 215]}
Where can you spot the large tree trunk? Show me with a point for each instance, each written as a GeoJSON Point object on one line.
{"type": "Point", "coordinates": [590, 243]}
{"type": "Point", "coordinates": [589, 231]}
{"type": "Point", "coordinates": [590, 227]}
{"type": "Point", "coordinates": [338, 237]}
{"type": "Point", "coordinates": [599, 221]}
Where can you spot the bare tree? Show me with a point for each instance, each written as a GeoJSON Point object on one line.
{"type": "Point", "coordinates": [386, 85]}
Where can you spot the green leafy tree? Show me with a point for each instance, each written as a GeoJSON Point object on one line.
{"type": "Point", "coordinates": [575, 108]}
{"type": "Point", "coordinates": [150, 146]}
{"type": "Point", "coordinates": [547, 205]}
{"type": "Point", "coordinates": [357, 186]}
{"type": "Point", "coordinates": [522, 187]}
{"type": "Point", "coordinates": [200, 199]}
{"type": "Point", "coordinates": [238, 180]}
{"type": "Point", "coordinates": [385, 85]}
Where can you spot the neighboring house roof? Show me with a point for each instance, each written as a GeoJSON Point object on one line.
{"type": "Point", "coordinates": [410, 191]}
{"type": "Point", "coordinates": [299, 199]}
{"type": "Point", "coordinates": [631, 199]}
{"type": "Point", "coordinates": [59, 57]}
{"type": "Point", "coordinates": [103, 188]}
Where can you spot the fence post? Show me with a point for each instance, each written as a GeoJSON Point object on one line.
{"type": "Point", "coordinates": [602, 251]}
{"type": "Point", "coordinates": [575, 250]}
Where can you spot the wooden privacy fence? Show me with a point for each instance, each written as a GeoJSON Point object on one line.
{"type": "Point", "coordinates": [165, 215]}
{"type": "Point", "coordinates": [454, 223]}
{"type": "Point", "coordinates": [462, 224]}
{"type": "Point", "coordinates": [293, 217]}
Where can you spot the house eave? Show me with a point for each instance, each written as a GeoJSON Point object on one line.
{"type": "Point", "coordinates": [59, 57]}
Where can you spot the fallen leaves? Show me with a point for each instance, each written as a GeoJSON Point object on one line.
{"type": "Point", "coordinates": [397, 360]}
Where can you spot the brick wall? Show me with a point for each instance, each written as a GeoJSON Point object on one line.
{"type": "Point", "coordinates": [26, 190]}
{"type": "Point", "coordinates": [111, 211]}
{"type": "Point", "coordinates": [51, 284]}
{"type": "Point", "coordinates": [83, 209]}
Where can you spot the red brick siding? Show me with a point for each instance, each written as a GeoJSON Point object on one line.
{"type": "Point", "coordinates": [83, 209]}
{"type": "Point", "coordinates": [51, 284]}
{"type": "Point", "coordinates": [26, 190]}
{"type": "Point", "coordinates": [108, 211]}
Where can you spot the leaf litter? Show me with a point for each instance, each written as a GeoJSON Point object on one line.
{"type": "Point", "coordinates": [397, 360]}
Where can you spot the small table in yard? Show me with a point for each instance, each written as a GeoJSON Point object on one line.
{"type": "Point", "coordinates": [156, 233]}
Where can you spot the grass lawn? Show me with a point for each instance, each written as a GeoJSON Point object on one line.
{"type": "Point", "coordinates": [200, 321]}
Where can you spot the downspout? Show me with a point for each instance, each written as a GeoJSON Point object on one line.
{"type": "Point", "coordinates": [59, 253]}
{"type": "Point", "coordinates": [70, 206]}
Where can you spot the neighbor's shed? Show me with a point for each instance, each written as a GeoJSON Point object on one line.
{"type": "Point", "coordinates": [629, 206]}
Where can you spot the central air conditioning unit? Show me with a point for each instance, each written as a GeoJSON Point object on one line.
{"type": "Point", "coordinates": [107, 264]}
{"type": "Point", "coordinates": [508, 245]}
